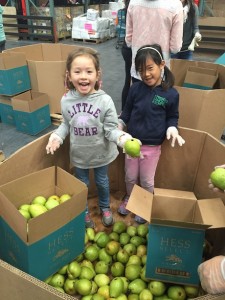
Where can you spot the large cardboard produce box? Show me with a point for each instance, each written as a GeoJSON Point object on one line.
{"type": "Point", "coordinates": [200, 108]}
{"type": "Point", "coordinates": [47, 63]}
{"type": "Point", "coordinates": [177, 224]}
{"type": "Point", "coordinates": [14, 74]}
{"type": "Point", "coordinates": [6, 110]}
{"type": "Point", "coordinates": [31, 112]}
{"type": "Point", "coordinates": [45, 243]}
{"type": "Point", "coordinates": [18, 285]}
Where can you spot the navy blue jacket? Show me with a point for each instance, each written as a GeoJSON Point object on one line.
{"type": "Point", "coordinates": [149, 112]}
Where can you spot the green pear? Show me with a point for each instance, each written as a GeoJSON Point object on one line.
{"type": "Point", "coordinates": [218, 178]}
{"type": "Point", "coordinates": [137, 285]}
{"type": "Point", "coordinates": [37, 209]}
{"type": "Point", "coordinates": [25, 213]}
{"type": "Point", "coordinates": [116, 287]}
{"type": "Point", "coordinates": [39, 200]}
{"type": "Point", "coordinates": [132, 147]}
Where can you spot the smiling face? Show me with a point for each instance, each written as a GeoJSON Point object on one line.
{"type": "Point", "coordinates": [151, 72]}
{"type": "Point", "coordinates": [83, 75]}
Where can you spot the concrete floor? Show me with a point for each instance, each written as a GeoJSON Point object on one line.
{"type": "Point", "coordinates": [113, 78]}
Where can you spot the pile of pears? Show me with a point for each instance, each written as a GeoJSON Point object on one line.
{"type": "Point", "coordinates": [41, 204]}
{"type": "Point", "coordinates": [112, 267]}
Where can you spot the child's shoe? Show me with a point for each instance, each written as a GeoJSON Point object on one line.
{"type": "Point", "coordinates": [88, 221]}
{"type": "Point", "coordinates": [107, 217]}
{"type": "Point", "coordinates": [139, 220]}
{"type": "Point", "coordinates": [122, 208]}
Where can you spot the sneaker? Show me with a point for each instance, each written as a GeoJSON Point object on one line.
{"type": "Point", "coordinates": [122, 208]}
{"type": "Point", "coordinates": [107, 217]}
{"type": "Point", "coordinates": [139, 220]}
{"type": "Point", "coordinates": [88, 221]}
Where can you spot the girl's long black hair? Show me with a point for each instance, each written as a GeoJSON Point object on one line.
{"type": "Point", "coordinates": [143, 54]}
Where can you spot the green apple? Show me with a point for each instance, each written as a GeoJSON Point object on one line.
{"type": "Point", "coordinates": [25, 207]}
{"type": "Point", "coordinates": [64, 198]}
{"type": "Point", "coordinates": [191, 291]}
{"type": "Point", "coordinates": [51, 203]}
{"type": "Point", "coordinates": [37, 209]}
{"type": "Point", "coordinates": [119, 227]}
{"type": "Point", "coordinates": [132, 148]}
{"type": "Point", "coordinates": [176, 292]}
{"type": "Point", "coordinates": [116, 287]}
{"type": "Point", "coordinates": [104, 291]}
{"type": "Point", "coordinates": [101, 279]}
{"type": "Point", "coordinates": [25, 213]}
{"type": "Point", "coordinates": [91, 253]}
{"type": "Point", "coordinates": [39, 200]}
{"type": "Point", "coordinates": [112, 247]}
{"type": "Point", "coordinates": [218, 178]}
{"type": "Point", "coordinates": [55, 197]}
{"type": "Point", "coordinates": [101, 267]}
{"type": "Point", "coordinates": [145, 295]}
{"type": "Point", "coordinates": [157, 288]}
{"type": "Point", "coordinates": [83, 286]}
{"type": "Point", "coordinates": [137, 285]}
{"type": "Point", "coordinates": [57, 280]}
{"type": "Point", "coordinates": [73, 270]}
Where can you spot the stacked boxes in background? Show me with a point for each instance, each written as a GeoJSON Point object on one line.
{"type": "Point", "coordinates": [20, 106]}
{"type": "Point", "coordinates": [31, 112]}
{"type": "Point", "coordinates": [14, 79]}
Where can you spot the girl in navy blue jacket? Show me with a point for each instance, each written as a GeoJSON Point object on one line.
{"type": "Point", "coordinates": [150, 115]}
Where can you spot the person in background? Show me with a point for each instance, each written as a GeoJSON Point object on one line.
{"type": "Point", "coordinates": [154, 21]}
{"type": "Point", "coordinates": [151, 114]}
{"type": "Point", "coordinates": [127, 56]}
{"type": "Point", "coordinates": [90, 118]}
{"type": "Point", "coordinates": [190, 30]}
{"type": "Point", "coordinates": [212, 271]}
{"type": "Point", "coordinates": [2, 31]}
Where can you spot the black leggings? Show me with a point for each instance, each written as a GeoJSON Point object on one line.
{"type": "Point", "coordinates": [127, 56]}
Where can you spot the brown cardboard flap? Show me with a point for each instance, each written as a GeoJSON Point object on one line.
{"type": "Point", "coordinates": [212, 212]}
{"type": "Point", "coordinates": [197, 77]}
{"type": "Point", "coordinates": [12, 60]}
{"type": "Point", "coordinates": [199, 109]}
{"type": "Point", "coordinates": [173, 205]}
{"type": "Point", "coordinates": [140, 202]}
{"type": "Point", "coordinates": [29, 101]}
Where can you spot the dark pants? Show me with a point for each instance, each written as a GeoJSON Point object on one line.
{"type": "Point", "coordinates": [2, 46]}
{"type": "Point", "coordinates": [127, 56]}
{"type": "Point", "coordinates": [183, 55]}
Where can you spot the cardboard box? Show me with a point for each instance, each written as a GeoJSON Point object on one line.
{"type": "Point", "coordinates": [199, 109]}
{"type": "Point", "coordinates": [200, 78]}
{"type": "Point", "coordinates": [14, 74]}
{"type": "Point", "coordinates": [18, 285]}
{"type": "Point", "coordinates": [176, 236]}
{"type": "Point", "coordinates": [47, 63]}
{"type": "Point", "coordinates": [31, 112]}
{"type": "Point", "coordinates": [44, 244]}
{"type": "Point", "coordinates": [6, 110]}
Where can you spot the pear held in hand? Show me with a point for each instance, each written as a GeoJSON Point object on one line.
{"type": "Point", "coordinates": [218, 178]}
{"type": "Point", "coordinates": [132, 147]}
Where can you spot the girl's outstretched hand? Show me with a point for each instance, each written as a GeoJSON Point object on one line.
{"type": "Point", "coordinates": [54, 143]}
{"type": "Point", "coordinates": [172, 132]}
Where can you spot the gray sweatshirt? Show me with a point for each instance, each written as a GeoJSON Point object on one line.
{"type": "Point", "coordinates": [92, 124]}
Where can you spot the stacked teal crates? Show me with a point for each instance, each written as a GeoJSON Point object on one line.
{"type": "Point", "coordinates": [17, 105]}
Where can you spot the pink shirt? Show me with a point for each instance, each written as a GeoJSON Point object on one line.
{"type": "Point", "coordinates": [154, 21]}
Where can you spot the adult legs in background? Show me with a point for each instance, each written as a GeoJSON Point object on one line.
{"type": "Point", "coordinates": [2, 46]}
{"type": "Point", "coordinates": [127, 56]}
{"type": "Point", "coordinates": [183, 55]}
